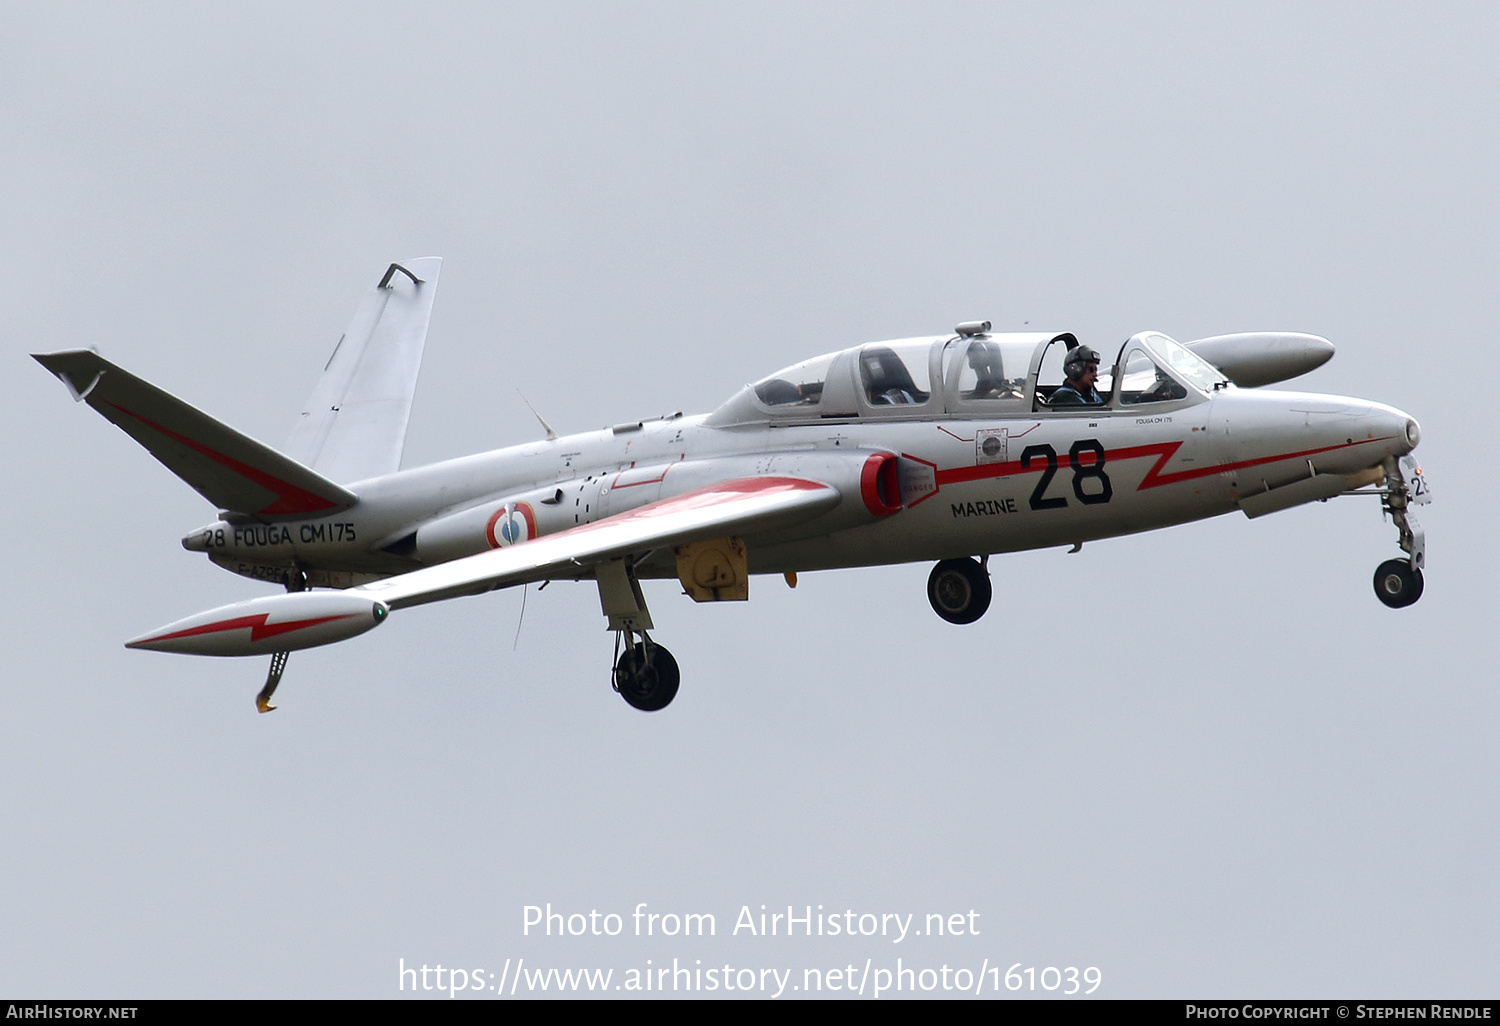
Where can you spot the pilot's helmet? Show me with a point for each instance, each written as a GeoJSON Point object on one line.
{"type": "Point", "coordinates": [1079, 357]}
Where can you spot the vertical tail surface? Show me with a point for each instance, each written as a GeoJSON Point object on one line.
{"type": "Point", "coordinates": [354, 424]}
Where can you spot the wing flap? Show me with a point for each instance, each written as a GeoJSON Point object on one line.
{"type": "Point", "coordinates": [231, 470]}
{"type": "Point", "coordinates": [741, 506]}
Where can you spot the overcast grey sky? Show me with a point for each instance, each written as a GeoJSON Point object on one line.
{"type": "Point", "coordinates": [1205, 760]}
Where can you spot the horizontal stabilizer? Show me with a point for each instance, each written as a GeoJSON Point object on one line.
{"type": "Point", "coordinates": [230, 470]}
{"type": "Point", "coordinates": [354, 424]}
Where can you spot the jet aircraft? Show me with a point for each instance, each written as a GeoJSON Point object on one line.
{"type": "Point", "coordinates": [949, 448]}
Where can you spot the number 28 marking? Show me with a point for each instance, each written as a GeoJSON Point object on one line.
{"type": "Point", "coordinates": [1090, 471]}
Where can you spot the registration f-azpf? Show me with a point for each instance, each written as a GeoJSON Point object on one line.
{"type": "Point", "coordinates": [944, 448]}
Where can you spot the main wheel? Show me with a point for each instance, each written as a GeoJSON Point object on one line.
{"type": "Point", "coordinates": [647, 678]}
{"type": "Point", "coordinates": [1397, 583]}
{"type": "Point", "coordinates": [959, 590]}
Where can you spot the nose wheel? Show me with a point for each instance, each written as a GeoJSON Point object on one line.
{"type": "Point", "coordinates": [1397, 583]}
{"type": "Point", "coordinates": [959, 590]}
{"type": "Point", "coordinates": [646, 675]}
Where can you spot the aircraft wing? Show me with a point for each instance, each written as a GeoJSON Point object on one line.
{"type": "Point", "coordinates": [354, 423]}
{"type": "Point", "coordinates": [740, 506]}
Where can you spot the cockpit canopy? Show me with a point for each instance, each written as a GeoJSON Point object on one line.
{"type": "Point", "coordinates": [979, 375]}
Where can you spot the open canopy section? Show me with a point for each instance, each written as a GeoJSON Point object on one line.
{"type": "Point", "coordinates": [981, 375]}
{"type": "Point", "coordinates": [968, 374]}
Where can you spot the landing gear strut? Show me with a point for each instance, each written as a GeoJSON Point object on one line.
{"type": "Point", "coordinates": [959, 590]}
{"type": "Point", "coordinates": [296, 580]}
{"type": "Point", "coordinates": [1398, 582]}
{"type": "Point", "coordinates": [278, 667]}
{"type": "Point", "coordinates": [646, 675]}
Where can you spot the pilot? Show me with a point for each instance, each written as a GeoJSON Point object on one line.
{"type": "Point", "coordinates": [1081, 370]}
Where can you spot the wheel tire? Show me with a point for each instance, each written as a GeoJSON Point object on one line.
{"type": "Point", "coordinates": [647, 685]}
{"type": "Point", "coordinates": [1397, 583]}
{"type": "Point", "coordinates": [959, 590]}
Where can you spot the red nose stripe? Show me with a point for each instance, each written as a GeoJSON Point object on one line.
{"type": "Point", "coordinates": [258, 627]}
{"type": "Point", "coordinates": [1162, 451]}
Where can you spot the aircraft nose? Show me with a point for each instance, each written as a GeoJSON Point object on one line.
{"type": "Point", "coordinates": [1399, 426]}
{"type": "Point", "coordinates": [1340, 434]}
{"type": "Point", "coordinates": [1413, 433]}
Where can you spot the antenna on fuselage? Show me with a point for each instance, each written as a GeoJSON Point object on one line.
{"type": "Point", "coordinates": [551, 435]}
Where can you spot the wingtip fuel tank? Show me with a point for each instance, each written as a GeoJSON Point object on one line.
{"type": "Point", "coordinates": [274, 623]}
{"type": "Point", "coordinates": [1254, 358]}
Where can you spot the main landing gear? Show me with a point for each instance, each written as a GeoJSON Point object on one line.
{"type": "Point", "coordinates": [1398, 582]}
{"type": "Point", "coordinates": [959, 589]}
{"type": "Point", "coordinates": [646, 675]}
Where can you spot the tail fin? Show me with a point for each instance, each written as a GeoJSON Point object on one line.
{"type": "Point", "coordinates": [231, 470]}
{"type": "Point", "coordinates": [354, 424]}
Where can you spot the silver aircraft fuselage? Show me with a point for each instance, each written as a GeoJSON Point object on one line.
{"type": "Point", "coordinates": [1042, 485]}
{"type": "Point", "coordinates": [949, 448]}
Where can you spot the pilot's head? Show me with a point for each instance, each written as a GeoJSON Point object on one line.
{"type": "Point", "coordinates": [1082, 366]}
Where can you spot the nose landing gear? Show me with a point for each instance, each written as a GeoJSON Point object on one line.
{"type": "Point", "coordinates": [959, 590]}
{"type": "Point", "coordinates": [1398, 582]}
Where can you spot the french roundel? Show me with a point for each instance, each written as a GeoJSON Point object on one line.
{"type": "Point", "coordinates": [503, 531]}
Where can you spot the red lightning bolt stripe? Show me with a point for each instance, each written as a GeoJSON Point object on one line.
{"type": "Point", "coordinates": [289, 498]}
{"type": "Point", "coordinates": [258, 628]}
